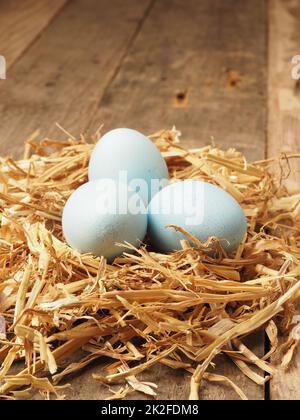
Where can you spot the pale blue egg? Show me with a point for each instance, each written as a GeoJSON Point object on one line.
{"type": "Point", "coordinates": [129, 157]}
{"type": "Point", "coordinates": [202, 209]}
{"type": "Point", "coordinates": [100, 214]}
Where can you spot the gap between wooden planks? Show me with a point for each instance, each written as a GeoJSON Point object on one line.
{"type": "Point", "coordinates": [149, 65]}
{"type": "Point", "coordinates": [284, 131]}
{"type": "Point", "coordinates": [200, 65]}
{"type": "Point", "coordinates": [209, 54]}
{"type": "Point", "coordinates": [63, 74]}
{"type": "Point", "coordinates": [21, 22]}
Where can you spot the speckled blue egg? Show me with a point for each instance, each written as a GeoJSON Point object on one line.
{"type": "Point", "coordinates": [98, 215]}
{"type": "Point", "coordinates": [202, 209]}
{"type": "Point", "coordinates": [128, 156]}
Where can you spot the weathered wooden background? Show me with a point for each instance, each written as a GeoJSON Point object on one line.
{"type": "Point", "coordinates": [218, 70]}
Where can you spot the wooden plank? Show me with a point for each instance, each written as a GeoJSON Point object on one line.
{"type": "Point", "coordinates": [172, 384]}
{"type": "Point", "coordinates": [286, 384]}
{"type": "Point", "coordinates": [137, 76]}
{"type": "Point", "coordinates": [284, 93]}
{"type": "Point", "coordinates": [284, 130]}
{"type": "Point", "coordinates": [200, 65]}
{"type": "Point", "coordinates": [21, 22]}
{"type": "Point", "coordinates": [62, 76]}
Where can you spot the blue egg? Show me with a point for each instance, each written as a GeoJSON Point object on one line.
{"type": "Point", "coordinates": [202, 209]}
{"type": "Point", "coordinates": [128, 156]}
{"type": "Point", "coordinates": [101, 214]}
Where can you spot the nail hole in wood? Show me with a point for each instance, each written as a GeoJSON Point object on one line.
{"type": "Point", "coordinates": [181, 98]}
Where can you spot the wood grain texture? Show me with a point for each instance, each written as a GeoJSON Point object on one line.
{"type": "Point", "coordinates": [284, 131]}
{"type": "Point", "coordinates": [200, 65]}
{"type": "Point", "coordinates": [62, 76]}
{"type": "Point", "coordinates": [286, 384]}
{"type": "Point", "coordinates": [21, 22]}
{"type": "Point", "coordinates": [172, 384]}
{"type": "Point", "coordinates": [284, 91]}
{"type": "Point", "coordinates": [148, 65]}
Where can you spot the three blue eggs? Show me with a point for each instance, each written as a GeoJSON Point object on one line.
{"type": "Point", "coordinates": [129, 194]}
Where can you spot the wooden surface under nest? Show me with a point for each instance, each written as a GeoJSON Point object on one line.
{"type": "Point", "coordinates": [180, 310]}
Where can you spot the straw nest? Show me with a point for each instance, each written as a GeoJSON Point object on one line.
{"type": "Point", "coordinates": [180, 310]}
